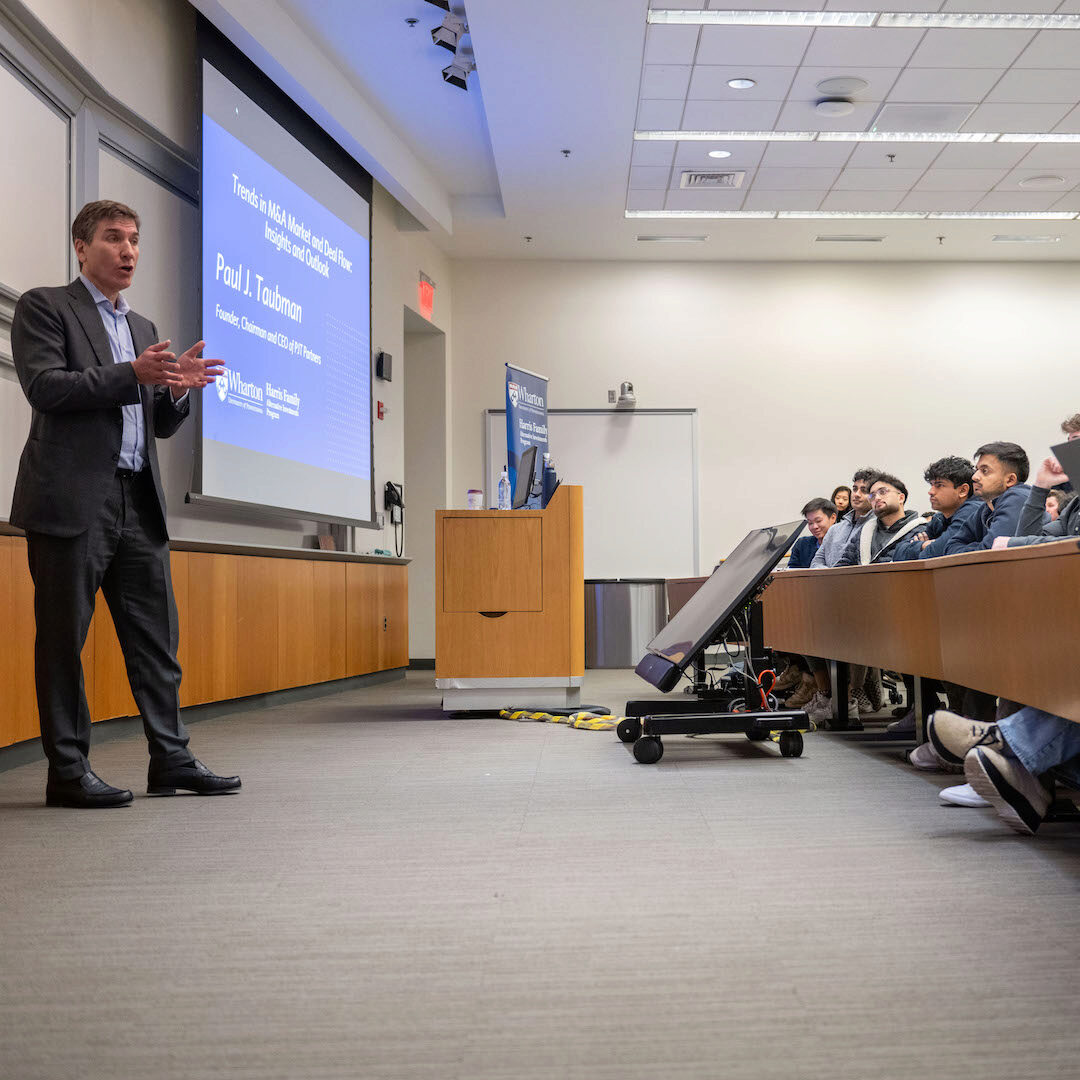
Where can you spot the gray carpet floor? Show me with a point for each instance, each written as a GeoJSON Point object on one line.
{"type": "Point", "coordinates": [396, 894]}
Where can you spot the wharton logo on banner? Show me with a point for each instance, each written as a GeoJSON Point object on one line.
{"type": "Point", "coordinates": [526, 423]}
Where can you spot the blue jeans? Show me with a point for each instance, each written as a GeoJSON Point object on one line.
{"type": "Point", "coordinates": [1042, 741]}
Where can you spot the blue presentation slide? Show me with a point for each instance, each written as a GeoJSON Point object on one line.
{"type": "Point", "coordinates": [286, 308]}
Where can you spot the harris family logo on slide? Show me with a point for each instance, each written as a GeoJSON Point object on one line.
{"type": "Point", "coordinates": [222, 387]}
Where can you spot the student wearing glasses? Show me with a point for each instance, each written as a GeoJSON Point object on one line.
{"type": "Point", "coordinates": [877, 540]}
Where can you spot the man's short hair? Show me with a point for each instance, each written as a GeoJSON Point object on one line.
{"type": "Point", "coordinates": [1072, 425]}
{"type": "Point", "coordinates": [892, 481]}
{"type": "Point", "coordinates": [956, 470]}
{"type": "Point", "coordinates": [86, 220]}
{"type": "Point", "coordinates": [868, 475]}
{"type": "Point", "coordinates": [827, 507]}
{"type": "Point", "coordinates": [1013, 457]}
{"type": "Point", "coordinates": [1063, 497]}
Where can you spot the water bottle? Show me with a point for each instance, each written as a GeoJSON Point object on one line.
{"type": "Point", "coordinates": [504, 491]}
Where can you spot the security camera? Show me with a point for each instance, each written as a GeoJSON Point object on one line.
{"type": "Point", "coordinates": [626, 396]}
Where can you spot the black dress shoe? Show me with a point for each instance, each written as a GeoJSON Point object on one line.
{"type": "Point", "coordinates": [194, 776]}
{"type": "Point", "coordinates": [86, 791]}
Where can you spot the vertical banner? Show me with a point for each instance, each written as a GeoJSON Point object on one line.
{"type": "Point", "coordinates": [526, 423]}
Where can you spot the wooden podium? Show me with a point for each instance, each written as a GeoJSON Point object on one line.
{"type": "Point", "coordinates": [510, 605]}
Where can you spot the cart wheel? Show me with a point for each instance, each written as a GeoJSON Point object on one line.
{"type": "Point", "coordinates": [791, 743]}
{"type": "Point", "coordinates": [629, 730]}
{"type": "Point", "coordinates": [756, 735]}
{"type": "Point", "coordinates": [648, 750]}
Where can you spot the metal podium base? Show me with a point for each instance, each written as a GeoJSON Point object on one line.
{"type": "Point", "coordinates": [470, 695]}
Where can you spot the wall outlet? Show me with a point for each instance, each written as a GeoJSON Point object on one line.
{"type": "Point", "coordinates": [380, 519]}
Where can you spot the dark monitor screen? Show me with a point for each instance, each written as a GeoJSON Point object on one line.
{"type": "Point", "coordinates": [1068, 455]}
{"type": "Point", "coordinates": [730, 587]}
{"type": "Point", "coordinates": [526, 474]}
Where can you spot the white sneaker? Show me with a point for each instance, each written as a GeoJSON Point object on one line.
{"type": "Point", "coordinates": [961, 795]}
{"type": "Point", "coordinates": [819, 708]}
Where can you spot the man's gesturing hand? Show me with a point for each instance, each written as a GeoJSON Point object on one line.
{"type": "Point", "coordinates": [156, 366]}
{"type": "Point", "coordinates": [194, 372]}
{"type": "Point", "coordinates": [1050, 474]}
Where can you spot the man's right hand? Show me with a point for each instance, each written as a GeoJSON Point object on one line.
{"type": "Point", "coordinates": [1050, 474]}
{"type": "Point", "coordinates": [156, 366]}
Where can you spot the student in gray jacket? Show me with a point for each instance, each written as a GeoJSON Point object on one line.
{"type": "Point", "coordinates": [839, 536]}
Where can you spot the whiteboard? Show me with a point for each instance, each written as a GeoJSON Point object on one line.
{"type": "Point", "coordinates": [638, 469]}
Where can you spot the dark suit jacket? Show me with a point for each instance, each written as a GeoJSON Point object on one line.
{"type": "Point", "coordinates": [66, 368]}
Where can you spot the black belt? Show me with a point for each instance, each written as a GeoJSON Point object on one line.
{"type": "Point", "coordinates": [129, 474]}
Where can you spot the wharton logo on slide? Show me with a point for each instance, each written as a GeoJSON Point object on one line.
{"type": "Point", "coordinates": [232, 389]}
{"type": "Point", "coordinates": [222, 387]}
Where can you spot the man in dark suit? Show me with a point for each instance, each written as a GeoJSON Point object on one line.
{"type": "Point", "coordinates": [89, 497]}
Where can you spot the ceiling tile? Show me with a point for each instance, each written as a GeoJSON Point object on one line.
{"type": "Point", "coordinates": [861, 200]}
{"type": "Point", "coordinates": [776, 46]}
{"type": "Point", "coordinates": [665, 80]}
{"type": "Point", "coordinates": [880, 80]}
{"type": "Point", "coordinates": [649, 178]}
{"type": "Point", "coordinates": [971, 48]}
{"type": "Point", "coordinates": [905, 155]}
{"type": "Point", "coordinates": [801, 116]}
{"type": "Point", "coordinates": [1015, 117]}
{"type": "Point", "coordinates": [960, 179]}
{"type": "Point", "coordinates": [1017, 200]}
{"type": "Point", "coordinates": [1029, 85]}
{"type": "Point", "coordinates": [730, 115]}
{"type": "Point", "coordinates": [1011, 181]}
{"type": "Point", "coordinates": [657, 114]}
{"type": "Point", "coordinates": [940, 200]}
{"type": "Point", "coordinates": [711, 81]}
{"type": "Point", "coordinates": [652, 153]}
{"type": "Point", "coordinates": [783, 200]}
{"type": "Point", "coordinates": [1053, 156]}
{"type": "Point", "coordinates": [1069, 201]}
{"type": "Point", "coordinates": [944, 85]}
{"type": "Point", "coordinates": [706, 200]}
{"type": "Point", "coordinates": [850, 48]}
{"type": "Point", "coordinates": [877, 179]}
{"type": "Point", "coordinates": [667, 44]}
{"type": "Point", "coordinates": [1071, 122]}
{"type": "Point", "coordinates": [803, 154]}
{"type": "Point", "coordinates": [1050, 49]}
{"type": "Point", "coordinates": [981, 155]}
{"type": "Point", "coordinates": [1070, 7]}
{"type": "Point", "coordinates": [696, 154]}
{"type": "Point", "coordinates": [770, 179]}
{"type": "Point", "coordinates": [645, 200]}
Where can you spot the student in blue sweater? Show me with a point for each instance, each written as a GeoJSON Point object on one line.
{"type": "Point", "coordinates": [951, 499]}
{"type": "Point", "coordinates": [820, 517]}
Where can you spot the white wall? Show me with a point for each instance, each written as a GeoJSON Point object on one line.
{"type": "Point", "coordinates": [801, 373]}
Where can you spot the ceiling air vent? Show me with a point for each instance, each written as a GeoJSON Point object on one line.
{"type": "Point", "coordinates": [692, 178]}
{"type": "Point", "coordinates": [850, 238]}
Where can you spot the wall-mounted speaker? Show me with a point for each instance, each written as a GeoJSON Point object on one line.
{"type": "Point", "coordinates": [384, 364]}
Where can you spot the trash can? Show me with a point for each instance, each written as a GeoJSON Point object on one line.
{"type": "Point", "coordinates": [622, 615]}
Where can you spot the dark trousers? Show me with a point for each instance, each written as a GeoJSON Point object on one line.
{"type": "Point", "coordinates": [125, 554]}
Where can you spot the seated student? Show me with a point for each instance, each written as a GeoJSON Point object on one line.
{"type": "Point", "coordinates": [820, 517]}
{"type": "Point", "coordinates": [1070, 428]}
{"type": "Point", "coordinates": [950, 498]}
{"type": "Point", "coordinates": [1033, 528]}
{"type": "Point", "coordinates": [1007, 763]}
{"type": "Point", "coordinates": [877, 540]}
{"type": "Point", "coordinates": [832, 547]}
{"type": "Point", "coordinates": [1056, 501]}
{"type": "Point", "coordinates": [1001, 469]}
{"type": "Point", "coordinates": [841, 499]}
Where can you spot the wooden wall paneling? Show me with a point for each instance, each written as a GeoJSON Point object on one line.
{"type": "Point", "coordinates": [209, 641]}
{"type": "Point", "coordinates": [393, 627]}
{"type": "Point", "coordinates": [295, 587]}
{"type": "Point", "coordinates": [361, 640]}
{"type": "Point", "coordinates": [111, 692]}
{"type": "Point", "coordinates": [330, 605]}
{"type": "Point", "coordinates": [257, 666]}
{"type": "Point", "coordinates": [492, 563]}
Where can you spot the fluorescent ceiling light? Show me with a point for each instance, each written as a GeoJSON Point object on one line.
{"type": "Point", "coordinates": [684, 214]}
{"type": "Point", "coordinates": [725, 136]}
{"type": "Point", "coordinates": [845, 136]}
{"type": "Point", "coordinates": [1021, 215]}
{"type": "Point", "coordinates": [673, 239]}
{"type": "Point", "coordinates": [908, 136]}
{"type": "Point", "coordinates": [1040, 137]}
{"type": "Point", "coordinates": [829, 215]}
{"type": "Point", "coordinates": [836, 215]}
{"type": "Point", "coordinates": [947, 20]}
{"type": "Point", "coordinates": [1009, 238]}
{"type": "Point", "coordinates": [849, 238]}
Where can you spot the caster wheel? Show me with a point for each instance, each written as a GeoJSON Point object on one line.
{"type": "Point", "coordinates": [791, 743]}
{"type": "Point", "coordinates": [629, 730]}
{"type": "Point", "coordinates": [757, 736]}
{"type": "Point", "coordinates": [648, 750]}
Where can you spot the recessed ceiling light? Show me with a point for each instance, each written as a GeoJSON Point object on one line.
{"type": "Point", "coordinates": [1025, 215]}
{"type": "Point", "coordinates": [675, 215]}
{"type": "Point", "coordinates": [826, 215]}
{"type": "Point", "coordinates": [1013, 238]}
{"type": "Point", "coordinates": [720, 153]}
{"type": "Point", "coordinates": [849, 238]}
{"type": "Point", "coordinates": [908, 136]}
{"type": "Point", "coordinates": [741, 84]}
{"type": "Point", "coordinates": [762, 18]}
{"type": "Point", "coordinates": [829, 215]}
{"type": "Point", "coordinates": [673, 239]}
{"type": "Point", "coordinates": [958, 20]}
{"type": "Point", "coordinates": [1040, 182]}
{"type": "Point", "coordinates": [947, 20]}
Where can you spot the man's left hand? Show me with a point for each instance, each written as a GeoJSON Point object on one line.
{"type": "Point", "coordinates": [195, 372]}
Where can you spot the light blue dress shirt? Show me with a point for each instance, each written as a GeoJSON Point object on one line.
{"type": "Point", "coordinates": [114, 319]}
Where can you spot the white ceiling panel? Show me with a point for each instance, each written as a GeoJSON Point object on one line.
{"type": "Point", "coordinates": [877, 179]}
{"type": "Point", "coordinates": [801, 116]}
{"type": "Point", "coordinates": [711, 81]}
{"type": "Point", "coordinates": [1050, 49]}
{"type": "Point", "coordinates": [783, 200]}
{"type": "Point", "coordinates": [1015, 200]}
{"type": "Point", "coordinates": [1070, 122]}
{"type": "Point", "coordinates": [879, 79]}
{"type": "Point", "coordinates": [666, 44]}
{"type": "Point", "coordinates": [805, 154]}
{"type": "Point", "coordinates": [775, 46]}
{"type": "Point", "coordinates": [960, 180]}
{"type": "Point", "coordinates": [657, 114]}
{"type": "Point", "coordinates": [981, 155]}
{"type": "Point", "coordinates": [1003, 117]}
{"type": "Point", "coordinates": [769, 179]}
{"type": "Point", "coordinates": [645, 200]}
{"type": "Point", "coordinates": [665, 80]}
{"type": "Point", "coordinates": [1069, 201]}
{"type": "Point", "coordinates": [850, 48]}
{"type": "Point", "coordinates": [705, 200]}
{"type": "Point", "coordinates": [946, 85]}
{"type": "Point", "coordinates": [1039, 86]}
{"type": "Point", "coordinates": [905, 155]}
{"type": "Point", "coordinates": [866, 201]}
{"type": "Point", "coordinates": [971, 48]}
{"type": "Point", "coordinates": [696, 154]}
{"type": "Point", "coordinates": [652, 153]}
{"type": "Point", "coordinates": [730, 115]}
{"type": "Point", "coordinates": [929, 201]}
{"type": "Point", "coordinates": [1053, 156]}
{"type": "Point", "coordinates": [649, 178]}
